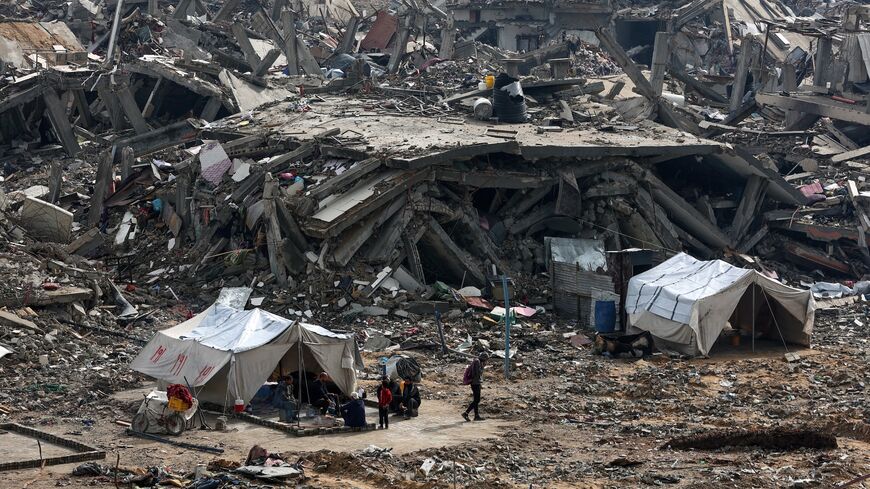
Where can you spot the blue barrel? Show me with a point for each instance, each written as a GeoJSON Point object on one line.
{"type": "Point", "coordinates": [605, 316]}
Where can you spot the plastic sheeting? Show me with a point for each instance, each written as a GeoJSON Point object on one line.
{"type": "Point", "coordinates": [686, 303]}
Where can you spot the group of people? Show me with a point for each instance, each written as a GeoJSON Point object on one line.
{"type": "Point", "coordinates": [401, 398]}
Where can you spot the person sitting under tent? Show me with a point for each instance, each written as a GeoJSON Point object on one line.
{"type": "Point", "coordinates": [354, 412]}
{"type": "Point", "coordinates": [319, 395]}
{"type": "Point", "coordinates": [284, 397]}
{"type": "Point", "coordinates": [410, 399]}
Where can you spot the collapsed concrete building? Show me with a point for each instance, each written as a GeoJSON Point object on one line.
{"type": "Point", "coordinates": [320, 147]}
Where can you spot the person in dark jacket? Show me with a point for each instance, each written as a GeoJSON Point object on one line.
{"type": "Point", "coordinates": [319, 394]}
{"type": "Point", "coordinates": [385, 398]}
{"type": "Point", "coordinates": [396, 404]}
{"type": "Point", "coordinates": [476, 366]}
{"type": "Point", "coordinates": [410, 399]}
{"type": "Point", "coordinates": [354, 412]}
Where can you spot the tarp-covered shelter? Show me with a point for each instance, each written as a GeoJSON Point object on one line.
{"type": "Point", "coordinates": [685, 303]}
{"type": "Point", "coordinates": [227, 353]}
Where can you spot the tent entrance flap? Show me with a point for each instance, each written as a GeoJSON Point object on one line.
{"type": "Point", "coordinates": [314, 358]}
{"type": "Point", "coordinates": [760, 316]}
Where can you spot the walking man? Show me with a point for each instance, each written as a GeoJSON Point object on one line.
{"type": "Point", "coordinates": [474, 377]}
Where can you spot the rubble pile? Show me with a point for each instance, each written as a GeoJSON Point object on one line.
{"type": "Point", "coordinates": [423, 175]}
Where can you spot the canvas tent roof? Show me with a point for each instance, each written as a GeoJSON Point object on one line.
{"type": "Point", "coordinates": [685, 303]}
{"type": "Point", "coordinates": [227, 353]}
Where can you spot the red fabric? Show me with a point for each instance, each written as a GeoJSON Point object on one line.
{"type": "Point", "coordinates": [385, 397]}
{"type": "Point", "coordinates": [179, 391]}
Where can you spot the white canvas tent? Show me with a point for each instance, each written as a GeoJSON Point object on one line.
{"type": "Point", "coordinates": [685, 304]}
{"type": "Point", "coordinates": [227, 353]}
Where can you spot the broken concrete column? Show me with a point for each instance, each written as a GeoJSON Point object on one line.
{"type": "Point", "coordinates": [101, 188]}
{"type": "Point", "coordinates": [291, 48]}
{"type": "Point", "coordinates": [263, 66]}
{"type": "Point", "coordinates": [85, 119]}
{"type": "Point", "coordinates": [274, 242]}
{"type": "Point", "coordinates": [132, 111]}
{"type": "Point", "coordinates": [211, 109]}
{"type": "Point", "coordinates": [401, 46]}
{"type": "Point", "coordinates": [512, 67]}
{"type": "Point", "coordinates": [448, 38]}
{"type": "Point", "coordinates": [277, 7]}
{"type": "Point", "coordinates": [226, 11]}
{"type": "Point", "coordinates": [153, 8]}
{"type": "Point", "coordinates": [738, 86]}
{"type": "Point", "coordinates": [113, 107]}
{"type": "Point", "coordinates": [822, 60]}
{"type": "Point", "coordinates": [661, 56]}
{"type": "Point", "coordinates": [55, 180]}
{"type": "Point", "coordinates": [127, 160]}
{"type": "Point", "coordinates": [789, 84]}
{"type": "Point", "coordinates": [153, 99]}
{"type": "Point", "coordinates": [559, 68]}
{"type": "Point", "coordinates": [181, 9]}
{"type": "Point", "coordinates": [60, 123]}
{"type": "Point", "coordinates": [348, 39]}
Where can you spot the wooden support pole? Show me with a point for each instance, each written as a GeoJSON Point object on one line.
{"type": "Point", "coordinates": [58, 117]}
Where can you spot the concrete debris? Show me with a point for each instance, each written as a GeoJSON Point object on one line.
{"type": "Point", "coordinates": [357, 166]}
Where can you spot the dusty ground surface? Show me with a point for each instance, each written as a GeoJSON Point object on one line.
{"type": "Point", "coordinates": [566, 419]}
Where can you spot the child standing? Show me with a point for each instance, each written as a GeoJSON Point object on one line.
{"type": "Point", "coordinates": [385, 397]}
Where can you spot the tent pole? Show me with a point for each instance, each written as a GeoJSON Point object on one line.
{"type": "Point", "coordinates": [299, 376]}
{"type": "Point", "coordinates": [753, 318]}
{"type": "Point", "coordinates": [775, 322]}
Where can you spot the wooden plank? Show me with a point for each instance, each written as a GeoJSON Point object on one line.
{"type": "Point", "coordinates": [849, 155]}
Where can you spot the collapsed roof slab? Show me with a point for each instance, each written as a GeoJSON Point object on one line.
{"type": "Point", "coordinates": [417, 142]}
{"type": "Point", "coordinates": [339, 212]}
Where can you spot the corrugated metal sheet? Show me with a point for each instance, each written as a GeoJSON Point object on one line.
{"type": "Point", "coordinates": [567, 277]}
{"type": "Point", "coordinates": [575, 293]}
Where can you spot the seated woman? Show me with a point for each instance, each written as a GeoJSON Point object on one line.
{"type": "Point", "coordinates": [354, 412]}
